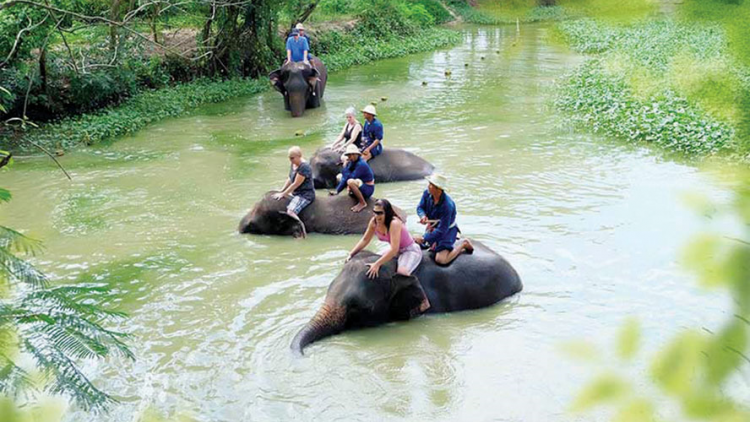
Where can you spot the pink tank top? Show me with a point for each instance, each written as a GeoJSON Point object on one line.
{"type": "Point", "coordinates": [406, 239]}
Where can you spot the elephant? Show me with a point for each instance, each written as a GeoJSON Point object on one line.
{"type": "Point", "coordinates": [327, 215]}
{"type": "Point", "coordinates": [301, 85]}
{"type": "Point", "coordinates": [392, 165]}
{"type": "Point", "coordinates": [355, 301]}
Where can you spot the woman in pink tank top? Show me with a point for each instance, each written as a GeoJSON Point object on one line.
{"type": "Point", "coordinates": [389, 228]}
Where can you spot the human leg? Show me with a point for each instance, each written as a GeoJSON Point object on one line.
{"type": "Point", "coordinates": [295, 206]}
{"type": "Point", "coordinates": [354, 185]}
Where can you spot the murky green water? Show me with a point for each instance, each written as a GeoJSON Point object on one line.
{"type": "Point", "coordinates": [593, 226]}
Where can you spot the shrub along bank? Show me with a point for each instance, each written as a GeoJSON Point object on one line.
{"type": "Point", "coordinates": [660, 82]}
{"type": "Point", "coordinates": [394, 31]}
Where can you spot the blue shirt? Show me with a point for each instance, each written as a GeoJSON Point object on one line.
{"type": "Point", "coordinates": [372, 132]}
{"type": "Point", "coordinates": [297, 48]}
{"type": "Point", "coordinates": [444, 210]}
{"type": "Point", "coordinates": [356, 170]}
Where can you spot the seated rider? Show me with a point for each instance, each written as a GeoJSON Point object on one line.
{"type": "Point", "coordinates": [372, 134]}
{"type": "Point", "coordinates": [389, 228]}
{"type": "Point", "coordinates": [438, 211]}
{"type": "Point", "coordinates": [298, 186]}
{"type": "Point", "coordinates": [357, 177]}
{"type": "Point", "coordinates": [351, 134]}
{"type": "Point", "coordinates": [297, 48]}
{"type": "Point", "coordinates": [301, 28]}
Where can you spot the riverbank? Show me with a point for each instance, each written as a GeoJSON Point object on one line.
{"type": "Point", "coordinates": [662, 82]}
{"type": "Point", "coordinates": [154, 105]}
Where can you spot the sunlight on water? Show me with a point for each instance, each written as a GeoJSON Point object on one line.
{"type": "Point", "coordinates": [593, 226]}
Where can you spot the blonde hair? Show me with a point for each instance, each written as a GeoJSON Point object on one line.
{"type": "Point", "coordinates": [295, 151]}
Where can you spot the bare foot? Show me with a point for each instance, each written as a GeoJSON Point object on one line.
{"type": "Point", "coordinates": [425, 305]}
{"type": "Point", "coordinates": [468, 247]}
{"type": "Point", "coordinates": [359, 207]}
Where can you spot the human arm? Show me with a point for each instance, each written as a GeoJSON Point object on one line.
{"type": "Point", "coordinates": [306, 51]}
{"type": "Point", "coordinates": [290, 187]}
{"type": "Point", "coordinates": [421, 209]}
{"type": "Point", "coordinates": [441, 228]}
{"type": "Point", "coordinates": [339, 138]}
{"type": "Point", "coordinates": [364, 241]}
{"type": "Point", "coordinates": [372, 146]}
{"type": "Point", "coordinates": [395, 234]}
{"type": "Point", "coordinates": [375, 135]}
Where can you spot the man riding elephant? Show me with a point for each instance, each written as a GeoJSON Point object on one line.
{"type": "Point", "coordinates": [438, 211]}
{"type": "Point", "coordinates": [354, 300]}
{"type": "Point", "coordinates": [372, 134]}
{"type": "Point", "coordinates": [357, 178]}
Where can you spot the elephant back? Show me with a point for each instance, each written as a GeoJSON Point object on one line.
{"type": "Point", "coordinates": [469, 282]}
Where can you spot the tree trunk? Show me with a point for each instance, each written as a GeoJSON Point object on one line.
{"type": "Point", "coordinates": [154, 19]}
{"type": "Point", "coordinates": [43, 69]}
{"type": "Point", "coordinates": [304, 14]}
{"type": "Point", "coordinates": [114, 15]}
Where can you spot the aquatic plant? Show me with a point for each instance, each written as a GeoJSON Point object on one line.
{"type": "Point", "coordinates": [603, 102]}
{"type": "Point", "coordinates": [659, 81]}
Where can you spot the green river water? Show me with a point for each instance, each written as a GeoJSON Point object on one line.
{"type": "Point", "coordinates": [593, 226]}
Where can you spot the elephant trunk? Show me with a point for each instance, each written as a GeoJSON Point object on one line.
{"type": "Point", "coordinates": [297, 102]}
{"type": "Point", "coordinates": [327, 321]}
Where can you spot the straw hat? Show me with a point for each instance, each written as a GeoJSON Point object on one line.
{"type": "Point", "coordinates": [370, 109]}
{"type": "Point", "coordinates": [352, 149]}
{"type": "Point", "coordinates": [438, 180]}
{"type": "Point", "coordinates": [300, 26]}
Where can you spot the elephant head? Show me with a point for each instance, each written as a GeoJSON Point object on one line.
{"type": "Point", "coordinates": [268, 217]}
{"type": "Point", "coordinates": [326, 165]}
{"type": "Point", "coordinates": [295, 81]}
{"type": "Point", "coordinates": [355, 301]}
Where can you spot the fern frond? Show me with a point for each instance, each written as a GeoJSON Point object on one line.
{"type": "Point", "coordinates": [14, 241]}
{"type": "Point", "coordinates": [19, 270]}
{"type": "Point", "coordinates": [66, 378]}
{"type": "Point", "coordinates": [13, 378]}
{"type": "Point", "coordinates": [5, 195]}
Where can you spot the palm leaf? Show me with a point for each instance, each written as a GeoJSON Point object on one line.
{"type": "Point", "coordinates": [20, 270]}
{"type": "Point", "coordinates": [5, 195]}
{"type": "Point", "coordinates": [14, 241]}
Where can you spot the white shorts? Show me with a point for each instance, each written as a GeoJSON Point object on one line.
{"type": "Point", "coordinates": [410, 258]}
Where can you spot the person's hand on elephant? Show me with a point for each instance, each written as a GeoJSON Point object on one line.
{"type": "Point", "coordinates": [278, 196]}
{"type": "Point", "coordinates": [418, 238]}
{"type": "Point", "coordinates": [372, 272]}
{"type": "Point", "coordinates": [348, 258]}
{"type": "Point", "coordinates": [423, 220]}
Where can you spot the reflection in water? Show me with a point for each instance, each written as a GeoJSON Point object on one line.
{"type": "Point", "coordinates": [593, 226]}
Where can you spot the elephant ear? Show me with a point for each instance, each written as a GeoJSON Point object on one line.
{"type": "Point", "coordinates": [407, 295]}
{"type": "Point", "coordinates": [276, 78]}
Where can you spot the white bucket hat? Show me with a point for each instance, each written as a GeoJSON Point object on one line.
{"type": "Point", "coordinates": [352, 149]}
{"type": "Point", "coordinates": [370, 109]}
{"type": "Point", "coordinates": [300, 26]}
{"type": "Point", "coordinates": [438, 180]}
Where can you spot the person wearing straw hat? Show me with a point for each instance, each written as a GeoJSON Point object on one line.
{"type": "Point", "coordinates": [438, 212]}
{"type": "Point", "coordinates": [357, 176]}
{"type": "Point", "coordinates": [372, 134]}
{"type": "Point", "coordinates": [301, 29]}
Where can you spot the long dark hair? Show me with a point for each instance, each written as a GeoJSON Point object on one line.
{"type": "Point", "coordinates": [388, 210]}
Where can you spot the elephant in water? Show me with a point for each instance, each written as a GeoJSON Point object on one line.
{"type": "Point", "coordinates": [392, 165]}
{"type": "Point", "coordinates": [354, 301]}
{"type": "Point", "coordinates": [327, 214]}
{"type": "Point", "coordinates": [301, 85]}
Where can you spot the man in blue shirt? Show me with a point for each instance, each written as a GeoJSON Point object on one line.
{"type": "Point", "coordinates": [438, 211]}
{"type": "Point", "coordinates": [297, 48]}
{"type": "Point", "coordinates": [372, 134]}
{"type": "Point", "coordinates": [357, 176]}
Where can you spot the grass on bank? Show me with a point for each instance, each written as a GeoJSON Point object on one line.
{"type": "Point", "coordinates": [656, 81]}
{"type": "Point", "coordinates": [151, 106]}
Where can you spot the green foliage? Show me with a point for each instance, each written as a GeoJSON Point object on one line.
{"type": "Point", "coordinates": [385, 19]}
{"type": "Point", "coordinates": [604, 102]}
{"type": "Point", "coordinates": [694, 370]}
{"type": "Point", "coordinates": [142, 109]}
{"type": "Point", "coordinates": [435, 9]}
{"type": "Point", "coordinates": [507, 12]}
{"type": "Point", "coordinates": [55, 326]}
{"type": "Point", "coordinates": [362, 50]}
{"type": "Point", "coordinates": [659, 81]}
